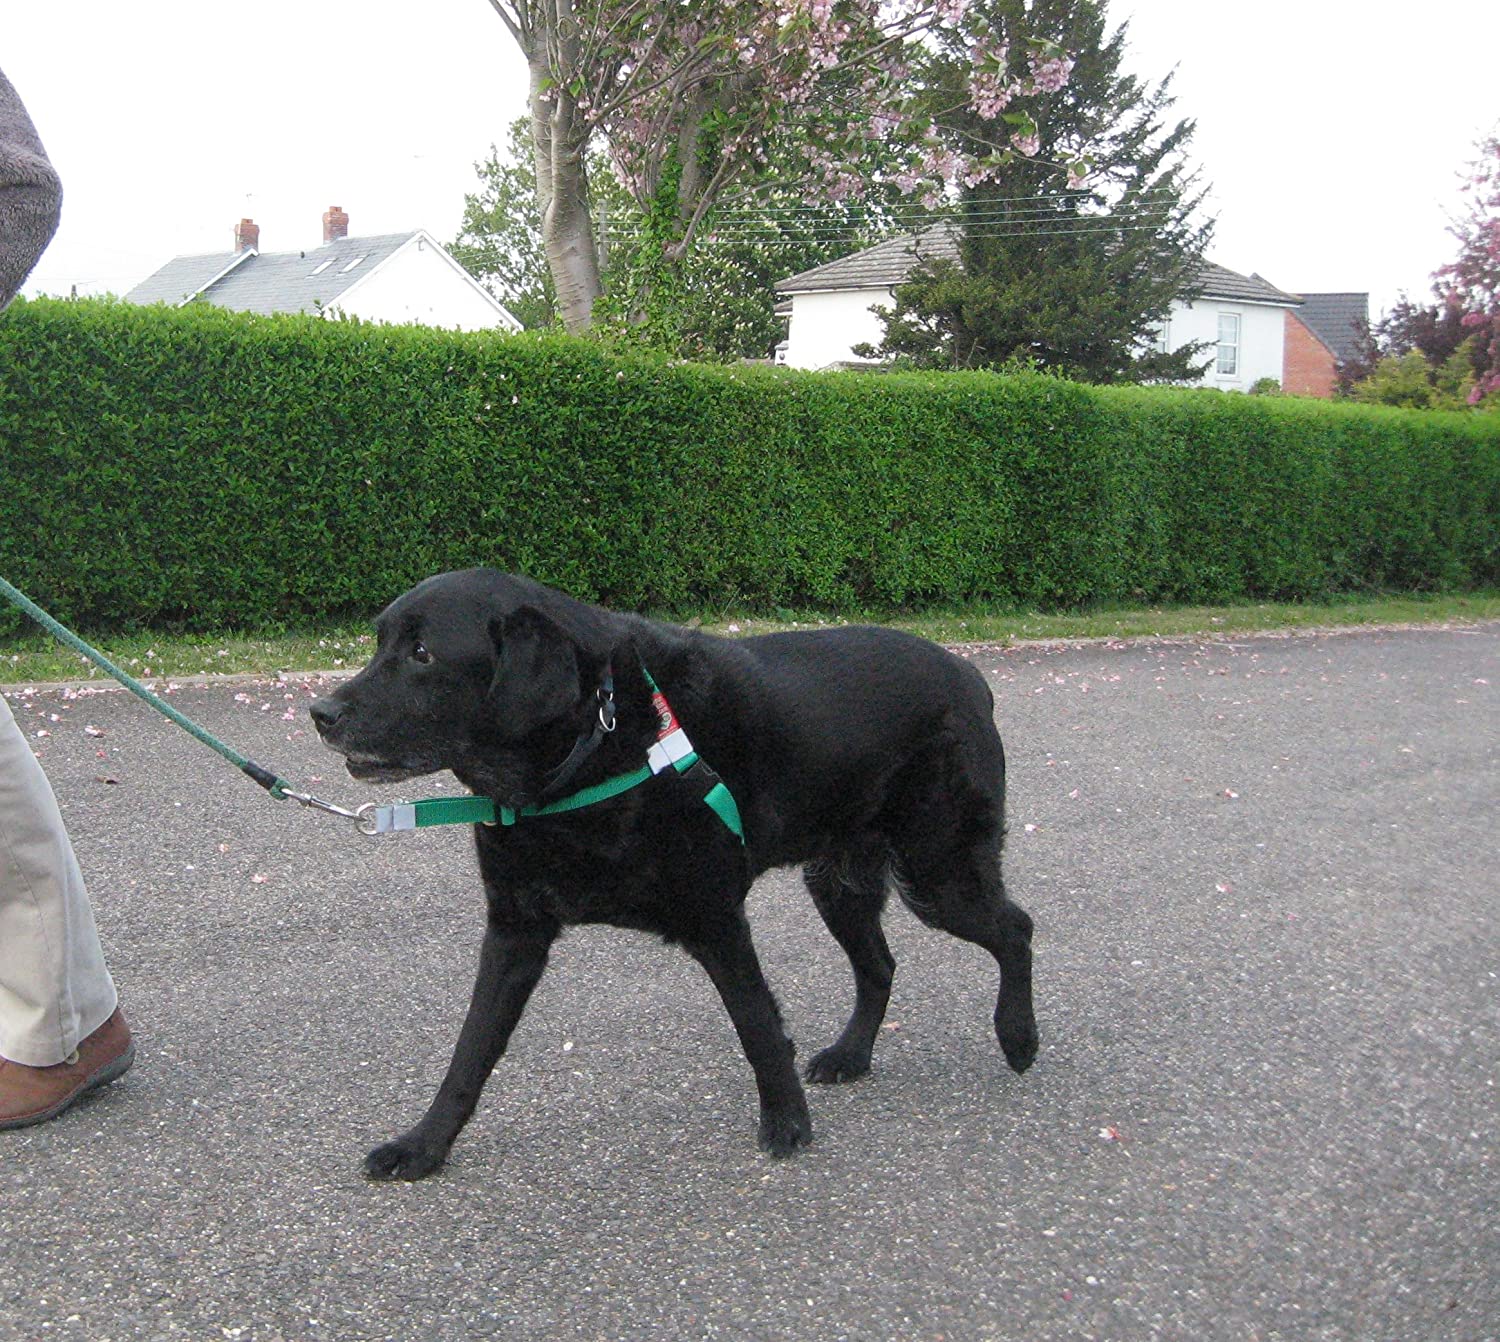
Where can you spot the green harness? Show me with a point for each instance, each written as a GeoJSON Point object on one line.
{"type": "Point", "coordinates": [671, 750]}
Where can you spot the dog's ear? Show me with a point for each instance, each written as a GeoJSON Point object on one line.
{"type": "Point", "coordinates": [536, 671]}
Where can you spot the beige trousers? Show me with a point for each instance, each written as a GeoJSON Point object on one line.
{"type": "Point", "coordinates": [54, 987]}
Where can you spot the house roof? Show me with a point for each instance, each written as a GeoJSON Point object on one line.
{"type": "Point", "coordinates": [183, 277]}
{"type": "Point", "coordinates": [1217, 282]}
{"type": "Point", "coordinates": [881, 266]}
{"type": "Point", "coordinates": [270, 282]}
{"type": "Point", "coordinates": [1336, 320]}
{"type": "Point", "coordinates": [891, 262]}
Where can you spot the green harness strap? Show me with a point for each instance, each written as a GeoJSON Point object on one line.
{"type": "Point", "coordinates": [718, 799]}
{"type": "Point", "coordinates": [483, 811]}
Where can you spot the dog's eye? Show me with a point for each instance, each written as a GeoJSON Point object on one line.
{"type": "Point", "coordinates": [420, 654]}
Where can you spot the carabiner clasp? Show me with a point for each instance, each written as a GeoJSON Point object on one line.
{"type": "Point", "coordinates": [318, 804]}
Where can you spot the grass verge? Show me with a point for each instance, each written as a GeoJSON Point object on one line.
{"type": "Point", "coordinates": [35, 657]}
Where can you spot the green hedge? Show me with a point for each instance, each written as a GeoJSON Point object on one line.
{"type": "Point", "coordinates": [203, 469]}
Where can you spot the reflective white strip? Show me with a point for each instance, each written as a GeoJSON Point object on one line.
{"type": "Point", "coordinates": [389, 819]}
{"type": "Point", "coordinates": [664, 753]}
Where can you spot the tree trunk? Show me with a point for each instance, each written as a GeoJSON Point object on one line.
{"type": "Point", "coordinates": [562, 189]}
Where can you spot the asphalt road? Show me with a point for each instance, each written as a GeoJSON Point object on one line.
{"type": "Point", "coordinates": [1268, 973]}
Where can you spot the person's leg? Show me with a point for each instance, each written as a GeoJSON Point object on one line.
{"type": "Point", "coordinates": [57, 1000]}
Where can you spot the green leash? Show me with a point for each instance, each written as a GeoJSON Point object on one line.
{"type": "Point", "coordinates": [673, 749]}
{"type": "Point", "coordinates": [277, 787]}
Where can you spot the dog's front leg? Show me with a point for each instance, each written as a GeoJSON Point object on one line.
{"type": "Point", "coordinates": [728, 954]}
{"type": "Point", "coordinates": [510, 963]}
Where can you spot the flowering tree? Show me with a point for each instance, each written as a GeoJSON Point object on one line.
{"type": "Point", "coordinates": [720, 304]}
{"type": "Point", "coordinates": [1471, 284]}
{"type": "Point", "coordinates": [695, 100]}
{"type": "Point", "coordinates": [1445, 354]}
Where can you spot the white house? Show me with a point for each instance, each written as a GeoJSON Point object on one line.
{"type": "Point", "coordinates": [1243, 318]}
{"type": "Point", "coordinates": [394, 277]}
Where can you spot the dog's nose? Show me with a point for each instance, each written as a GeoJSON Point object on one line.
{"type": "Point", "coordinates": [325, 712]}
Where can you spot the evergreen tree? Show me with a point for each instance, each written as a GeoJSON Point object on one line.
{"type": "Point", "coordinates": [1080, 279]}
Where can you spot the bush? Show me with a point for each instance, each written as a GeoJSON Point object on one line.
{"type": "Point", "coordinates": [1411, 382]}
{"type": "Point", "coordinates": [193, 468]}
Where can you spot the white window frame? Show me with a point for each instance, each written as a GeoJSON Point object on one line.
{"type": "Point", "coordinates": [1229, 348]}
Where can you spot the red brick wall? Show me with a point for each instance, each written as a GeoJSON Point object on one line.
{"type": "Point", "coordinates": [1306, 363]}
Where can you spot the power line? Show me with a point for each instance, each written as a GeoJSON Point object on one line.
{"type": "Point", "coordinates": [833, 228]}
{"type": "Point", "coordinates": [916, 222]}
{"type": "Point", "coordinates": [983, 225]}
{"type": "Point", "coordinates": [721, 239]}
{"type": "Point", "coordinates": [829, 217]}
{"type": "Point", "coordinates": [906, 207]}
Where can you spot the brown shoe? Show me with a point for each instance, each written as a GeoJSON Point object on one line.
{"type": "Point", "coordinates": [34, 1094]}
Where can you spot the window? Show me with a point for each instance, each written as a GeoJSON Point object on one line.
{"type": "Point", "coordinates": [321, 267]}
{"type": "Point", "coordinates": [1229, 345]}
{"type": "Point", "coordinates": [1164, 337]}
{"type": "Point", "coordinates": [351, 265]}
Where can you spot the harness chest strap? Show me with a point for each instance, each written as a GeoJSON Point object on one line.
{"type": "Point", "coordinates": [671, 750]}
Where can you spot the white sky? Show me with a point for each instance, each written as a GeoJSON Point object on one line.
{"type": "Point", "coordinates": [1333, 131]}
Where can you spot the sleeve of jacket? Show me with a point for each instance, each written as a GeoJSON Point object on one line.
{"type": "Point", "coordinates": [30, 194]}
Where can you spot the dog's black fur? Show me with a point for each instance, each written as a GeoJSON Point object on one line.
{"type": "Point", "coordinates": [867, 755]}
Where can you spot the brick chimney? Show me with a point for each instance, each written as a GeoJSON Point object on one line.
{"type": "Point", "coordinates": [246, 236]}
{"type": "Point", "coordinates": [335, 224]}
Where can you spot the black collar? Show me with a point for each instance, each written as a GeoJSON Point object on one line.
{"type": "Point", "coordinates": [588, 742]}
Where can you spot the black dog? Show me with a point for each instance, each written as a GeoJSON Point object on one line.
{"type": "Point", "coordinates": [867, 755]}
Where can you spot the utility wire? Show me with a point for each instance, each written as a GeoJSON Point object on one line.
{"type": "Point", "coordinates": [914, 223]}
{"type": "Point", "coordinates": [726, 237]}
{"type": "Point", "coordinates": [1069, 197]}
{"type": "Point", "coordinates": [832, 226]}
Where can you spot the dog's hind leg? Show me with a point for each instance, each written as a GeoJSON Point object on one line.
{"type": "Point", "coordinates": [963, 893]}
{"type": "Point", "coordinates": [849, 891]}
{"type": "Point", "coordinates": [726, 951]}
{"type": "Point", "coordinates": [510, 964]}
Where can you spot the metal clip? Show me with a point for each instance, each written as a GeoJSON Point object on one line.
{"type": "Point", "coordinates": [318, 804]}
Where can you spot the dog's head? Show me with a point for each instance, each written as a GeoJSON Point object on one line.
{"type": "Point", "coordinates": [471, 670]}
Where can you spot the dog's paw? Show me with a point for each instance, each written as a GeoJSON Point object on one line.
{"type": "Point", "coordinates": [1018, 1040]}
{"type": "Point", "coordinates": [835, 1065]}
{"type": "Point", "coordinates": [405, 1158]}
{"type": "Point", "coordinates": [782, 1131]}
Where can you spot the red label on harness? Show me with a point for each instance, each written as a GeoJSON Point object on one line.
{"type": "Point", "coordinates": [666, 720]}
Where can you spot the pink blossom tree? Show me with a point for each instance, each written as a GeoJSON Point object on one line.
{"type": "Point", "coordinates": [696, 101]}
{"type": "Point", "coordinates": [1471, 284]}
